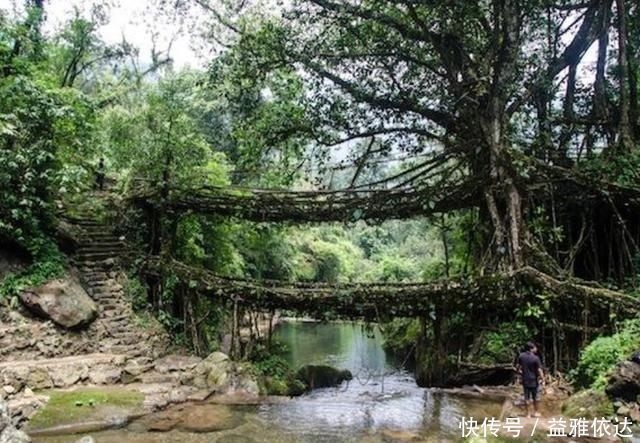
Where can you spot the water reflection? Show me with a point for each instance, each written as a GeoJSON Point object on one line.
{"type": "Point", "coordinates": [381, 404]}
{"type": "Point", "coordinates": [381, 396]}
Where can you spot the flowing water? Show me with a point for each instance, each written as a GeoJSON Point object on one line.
{"type": "Point", "coordinates": [382, 395]}
{"type": "Point", "coordinates": [381, 404]}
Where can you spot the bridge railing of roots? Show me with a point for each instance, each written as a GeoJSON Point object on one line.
{"type": "Point", "coordinates": [494, 296]}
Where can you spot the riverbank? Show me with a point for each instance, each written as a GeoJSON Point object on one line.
{"type": "Point", "coordinates": [232, 417]}
{"type": "Point", "coordinates": [185, 398]}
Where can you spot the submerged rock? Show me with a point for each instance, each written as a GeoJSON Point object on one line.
{"type": "Point", "coordinates": [624, 382]}
{"type": "Point", "coordinates": [190, 418]}
{"type": "Point", "coordinates": [321, 376]}
{"type": "Point", "coordinates": [289, 386]}
{"type": "Point", "coordinates": [63, 301]}
{"type": "Point", "coordinates": [8, 432]}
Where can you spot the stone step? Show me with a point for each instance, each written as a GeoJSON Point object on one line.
{"type": "Point", "coordinates": [100, 238]}
{"type": "Point", "coordinates": [106, 300]}
{"type": "Point", "coordinates": [100, 234]}
{"type": "Point", "coordinates": [111, 310]}
{"type": "Point", "coordinates": [95, 256]}
{"type": "Point", "coordinates": [112, 306]}
{"type": "Point", "coordinates": [106, 284]}
{"type": "Point", "coordinates": [131, 350]}
{"type": "Point", "coordinates": [115, 331]}
{"type": "Point", "coordinates": [97, 265]}
{"type": "Point", "coordinates": [102, 244]}
{"type": "Point", "coordinates": [121, 317]}
{"type": "Point", "coordinates": [116, 247]}
{"type": "Point", "coordinates": [98, 358]}
{"type": "Point", "coordinates": [128, 338]}
{"type": "Point", "coordinates": [90, 223]}
{"type": "Point", "coordinates": [103, 293]}
{"type": "Point", "coordinates": [101, 287]}
{"type": "Point", "coordinates": [120, 330]}
{"type": "Point", "coordinates": [110, 314]}
{"type": "Point", "coordinates": [118, 302]}
{"type": "Point", "coordinates": [95, 281]}
{"type": "Point", "coordinates": [95, 274]}
{"type": "Point", "coordinates": [154, 377]}
{"type": "Point", "coordinates": [85, 221]}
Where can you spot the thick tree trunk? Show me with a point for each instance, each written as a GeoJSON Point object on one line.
{"type": "Point", "coordinates": [502, 196]}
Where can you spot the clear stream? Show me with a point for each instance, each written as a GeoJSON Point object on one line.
{"type": "Point", "coordinates": [381, 404]}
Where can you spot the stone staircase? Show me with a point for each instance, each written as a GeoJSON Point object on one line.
{"type": "Point", "coordinates": [97, 260]}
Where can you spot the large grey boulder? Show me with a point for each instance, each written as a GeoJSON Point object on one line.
{"type": "Point", "coordinates": [215, 371]}
{"type": "Point", "coordinates": [63, 301]}
{"type": "Point", "coordinates": [218, 373]}
{"type": "Point", "coordinates": [624, 382]}
{"type": "Point", "coordinates": [8, 432]}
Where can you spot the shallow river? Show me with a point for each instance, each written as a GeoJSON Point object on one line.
{"type": "Point", "coordinates": [381, 404]}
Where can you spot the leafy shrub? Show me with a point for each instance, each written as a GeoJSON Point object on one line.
{"type": "Point", "coordinates": [400, 335]}
{"type": "Point", "coordinates": [601, 355]}
{"type": "Point", "coordinates": [501, 345]}
{"type": "Point", "coordinates": [136, 291]}
{"type": "Point", "coordinates": [276, 374]}
{"type": "Point", "coordinates": [48, 263]}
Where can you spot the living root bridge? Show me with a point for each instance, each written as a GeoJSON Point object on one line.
{"type": "Point", "coordinates": [315, 206]}
{"type": "Point", "coordinates": [494, 295]}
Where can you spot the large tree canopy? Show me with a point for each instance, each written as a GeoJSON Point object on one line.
{"type": "Point", "coordinates": [501, 91]}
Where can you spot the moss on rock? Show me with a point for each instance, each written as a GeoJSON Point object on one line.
{"type": "Point", "coordinates": [66, 407]}
{"type": "Point", "coordinates": [588, 404]}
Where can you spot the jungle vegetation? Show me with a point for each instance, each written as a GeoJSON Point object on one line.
{"type": "Point", "coordinates": [523, 115]}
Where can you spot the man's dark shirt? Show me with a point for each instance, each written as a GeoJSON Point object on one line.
{"type": "Point", "coordinates": [530, 364]}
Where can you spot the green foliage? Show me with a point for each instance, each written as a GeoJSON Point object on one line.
{"type": "Point", "coordinates": [622, 168]}
{"type": "Point", "coordinates": [401, 335]}
{"type": "Point", "coordinates": [267, 128]}
{"type": "Point", "coordinates": [501, 345]}
{"type": "Point", "coordinates": [42, 127]}
{"type": "Point", "coordinates": [599, 358]}
{"type": "Point", "coordinates": [157, 139]}
{"type": "Point", "coordinates": [324, 254]}
{"type": "Point", "coordinates": [38, 123]}
{"type": "Point", "coordinates": [136, 291]}
{"type": "Point", "coordinates": [48, 263]}
{"type": "Point", "coordinates": [588, 403]}
{"type": "Point", "coordinates": [277, 375]}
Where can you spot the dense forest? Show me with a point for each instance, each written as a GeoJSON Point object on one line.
{"type": "Point", "coordinates": [326, 156]}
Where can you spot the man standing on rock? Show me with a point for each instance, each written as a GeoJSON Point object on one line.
{"type": "Point", "coordinates": [530, 370]}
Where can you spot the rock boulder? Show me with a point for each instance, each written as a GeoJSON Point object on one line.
{"type": "Point", "coordinates": [217, 373]}
{"type": "Point", "coordinates": [322, 376]}
{"type": "Point", "coordinates": [8, 432]}
{"type": "Point", "coordinates": [624, 382]}
{"type": "Point", "coordinates": [63, 301]}
{"type": "Point", "coordinates": [212, 372]}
